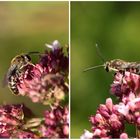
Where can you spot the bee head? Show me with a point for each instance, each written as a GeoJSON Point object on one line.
{"type": "Point", "coordinates": [107, 66]}
{"type": "Point", "coordinates": [27, 58]}
{"type": "Point", "coordinates": [21, 59]}
{"type": "Point", "coordinates": [115, 65]}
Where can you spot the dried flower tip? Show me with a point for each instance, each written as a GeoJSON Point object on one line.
{"type": "Point", "coordinates": [55, 45]}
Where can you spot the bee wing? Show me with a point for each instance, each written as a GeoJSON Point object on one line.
{"type": "Point", "coordinates": [4, 81]}
{"type": "Point", "coordinates": [11, 71]}
{"type": "Point", "coordinates": [33, 53]}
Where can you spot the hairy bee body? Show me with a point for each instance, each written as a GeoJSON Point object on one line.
{"type": "Point", "coordinates": [121, 65]}
{"type": "Point", "coordinates": [16, 69]}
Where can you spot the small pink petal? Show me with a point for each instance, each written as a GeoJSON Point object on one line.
{"type": "Point", "coordinates": [97, 132]}
{"type": "Point", "coordinates": [123, 109]}
{"type": "Point", "coordinates": [99, 118]}
{"type": "Point", "coordinates": [66, 129]}
{"type": "Point", "coordinates": [123, 136]}
{"type": "Point", "coordinates": [109, 103]}
{"type": "Point", "coordinates": [87, 135]}
{"type": "Point", "coordinates": [138, 120]}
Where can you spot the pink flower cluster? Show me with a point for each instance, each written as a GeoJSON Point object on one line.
{"type": "Point", "coordinates": [107, 123]}
{"type": "Point", "coordinates": [11, 122]}
{"type": "Point", "coordinates": [110, 119]}
{"type": "Point", "coordinates": [14, 123]}
{"type": "Point", "coordinates": [129, 96]}
{"type": "Point", "coordinates": [46, 81]}
{"type": "Point", "coordinates": [56, 123]}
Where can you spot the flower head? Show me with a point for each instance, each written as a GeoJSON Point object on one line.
{"type": "Point", "coordinates": [129, 95]}
{"type": "Point", "coordinates": [124, 84]}
{"type": "Point", "coordinates": [15, 124]}
{"type": "Point", "coordinates": [11, 120]}
{"type": "Point", "coordinates": [110, 119]}
{"type": "Point", "coordinates": [107, 123]}
{"type": "Point", "coordinates": [56, 123]}
{"type": "Point", "coordinates": [46, 81]}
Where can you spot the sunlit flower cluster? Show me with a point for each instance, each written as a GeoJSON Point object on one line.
{"type": "Point", "coordinates": [110, 119]}
{"type": "Point", "coordinates": [46, 81]}
{"type": "Point", "coordinates": [11, 122]}
{"type": "Point", "coordinates": [56, 124]}
{"type": "Point", "coordinates": [16, 123]}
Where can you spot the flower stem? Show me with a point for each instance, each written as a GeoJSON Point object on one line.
{"type": "Point", "coordinates": [137, 131]}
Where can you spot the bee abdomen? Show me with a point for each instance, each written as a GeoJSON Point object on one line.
{"type": "Point", "coordinates": [14, 89]}
{"type": "Point", "coordinates": [134, 68]}
{"type": "Point", "coordinates": [13, 85]}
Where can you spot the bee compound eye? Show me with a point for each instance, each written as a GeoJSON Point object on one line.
{"type": "Point", "coordinates": [27, 58]}
{"type": "Point", "coordinates": [107, 69]}
{"type": "Point", "coordinates": [107, 66]}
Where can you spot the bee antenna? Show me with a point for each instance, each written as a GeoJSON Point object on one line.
{"type": "Point", "coordinates": [99, 53]}
{"type": "Point", "coordinates": [33, 53]}
{"type": "Point", "coordinates": [94, 67]}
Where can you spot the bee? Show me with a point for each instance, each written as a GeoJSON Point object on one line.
{"type": "Point", "coordinates": [16, 68]}
{"type": "Point", "coordinates": [117, 65]}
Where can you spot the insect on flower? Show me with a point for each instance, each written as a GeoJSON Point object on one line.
{"type": "Point", "coordinates": [16, 68]}
{"type": "Point", "coordinates": [117, 65]}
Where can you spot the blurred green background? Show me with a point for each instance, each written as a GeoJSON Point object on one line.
{"type": "Point", "coordinates": [26, 27]}
{"type": "Point", "coordinates": [115, 26]}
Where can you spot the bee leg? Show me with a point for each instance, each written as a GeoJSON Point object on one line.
{"type": "Point", "coordinates": [123, 74]}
